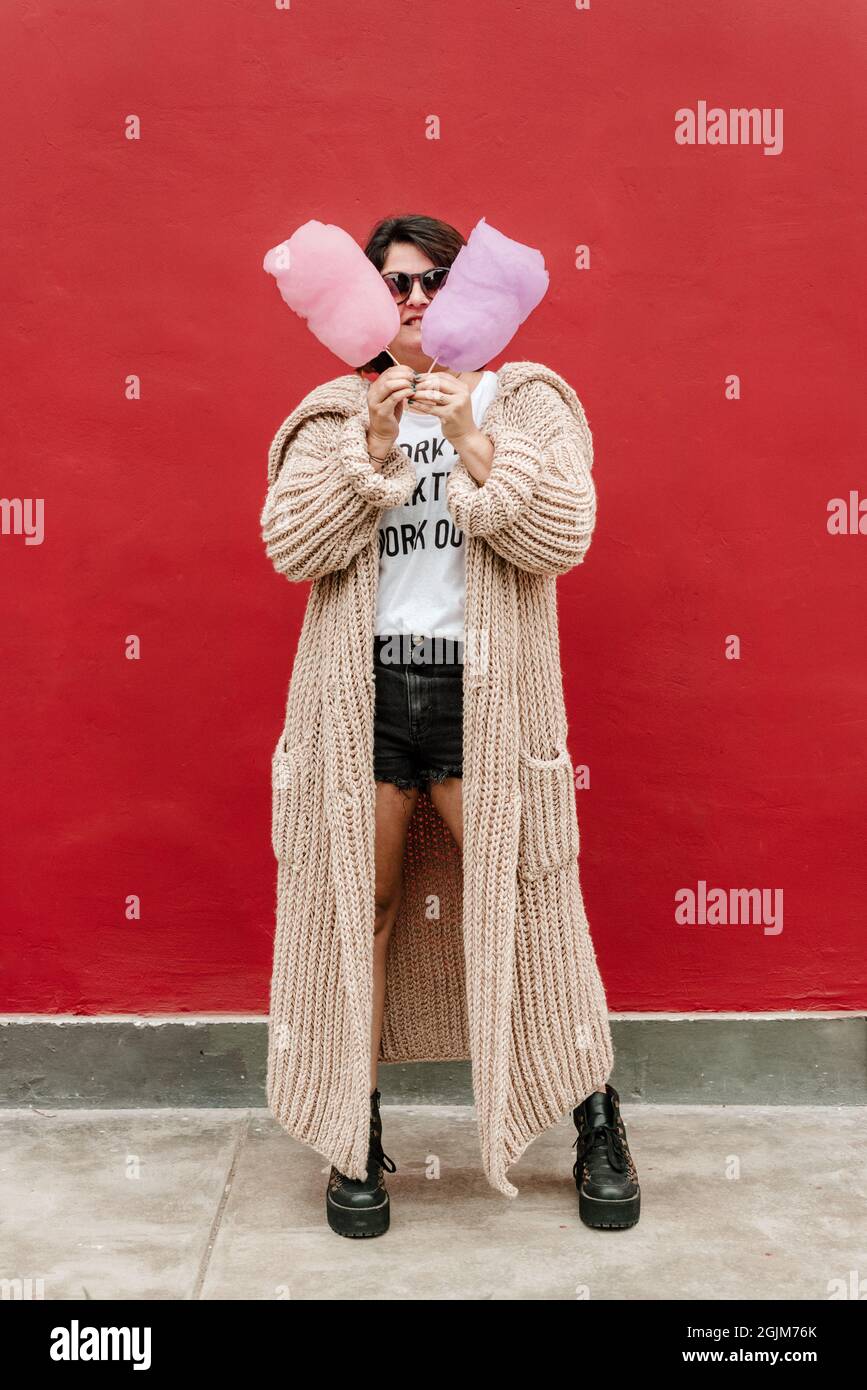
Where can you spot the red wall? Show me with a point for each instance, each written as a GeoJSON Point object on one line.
{"type": "Point", "coordinates": [144, 257]}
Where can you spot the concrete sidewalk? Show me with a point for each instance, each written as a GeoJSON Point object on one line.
{"type": "Point", "coordinates": [737, 1202]}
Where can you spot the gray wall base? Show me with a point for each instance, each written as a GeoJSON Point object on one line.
{"type": "Point", "coordinates": [214, 1060]}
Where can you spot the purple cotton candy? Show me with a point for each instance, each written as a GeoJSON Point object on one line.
{"type": "Point", "coordinates": [494, 284]}
{"type": "Point", "coordinates": [323, 274]}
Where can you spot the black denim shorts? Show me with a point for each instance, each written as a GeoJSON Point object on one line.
{"type": "Point", "coordinates": [419, 712]}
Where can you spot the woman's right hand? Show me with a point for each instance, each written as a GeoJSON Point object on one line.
{"type": "Point", "coordinates": [385, 398]}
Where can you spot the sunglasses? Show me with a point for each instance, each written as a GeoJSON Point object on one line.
{"type": "Point", "coordinates": [400, 282]}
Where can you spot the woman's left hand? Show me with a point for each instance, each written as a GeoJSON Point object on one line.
{"type": "Point", "coordinates": [454, 408]}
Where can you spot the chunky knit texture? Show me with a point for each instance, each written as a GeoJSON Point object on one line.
{"type": "Point", "coordinates": [491, 956]}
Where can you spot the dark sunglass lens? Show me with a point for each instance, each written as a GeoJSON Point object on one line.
{"type": "Point", "coordinates": [399, 284]}
{"type": "Point", "coordinates": [434, 280]}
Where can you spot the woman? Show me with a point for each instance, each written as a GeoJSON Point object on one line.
{"type": "Point", "coordinates": [423, 795]}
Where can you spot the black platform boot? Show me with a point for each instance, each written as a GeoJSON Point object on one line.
{"type": "Point", "coordinates": [609, 1196]}
{"type": "Point", "coordinates": [359, 1206]}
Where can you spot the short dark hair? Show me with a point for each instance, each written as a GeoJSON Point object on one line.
{"type": "Point", "coordinates": [439, 241]}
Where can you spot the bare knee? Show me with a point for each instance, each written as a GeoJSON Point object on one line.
{"type": "Point", "coordinates": [394, 810]}
{"type": "Point", "coordinates": [385, 911]}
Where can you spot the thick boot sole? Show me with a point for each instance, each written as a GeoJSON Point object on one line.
{"type": "Point", "coordinates": [357, 1222]}
{"type": "Point", "coordinates": [609, 1214]}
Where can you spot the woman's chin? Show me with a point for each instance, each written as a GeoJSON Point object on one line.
{"type": "Point", "coordinates": [412, 343]}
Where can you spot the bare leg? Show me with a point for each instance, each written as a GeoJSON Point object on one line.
{"type": "Point", "coordinates": [447, 798]}
{"type": "Point", "coordinates": [394, 808]}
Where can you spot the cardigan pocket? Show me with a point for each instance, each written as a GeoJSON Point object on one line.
{"type": "Point", "coordinates": [291, 808]}
{"type": "Point", "coordinates": [548, 838]}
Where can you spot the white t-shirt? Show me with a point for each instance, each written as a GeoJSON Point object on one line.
{"type": "Point", "coordinates": [422, 553]}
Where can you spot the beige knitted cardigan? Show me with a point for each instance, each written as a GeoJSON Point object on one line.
{"type": "Point", "coordinates": [491, 956]}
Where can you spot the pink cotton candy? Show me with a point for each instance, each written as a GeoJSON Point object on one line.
{"type": "Point", "coordinates": [323, 274]}
{"type": "Point", "coordinates": [494, 284]}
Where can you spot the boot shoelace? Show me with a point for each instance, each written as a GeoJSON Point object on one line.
{"type": "Point", "coordinates": [613, 1143]}
{"type": "Point", "coordinates": [377, 1154]}
{"type": "Point", "coordinates": [375, 1145]}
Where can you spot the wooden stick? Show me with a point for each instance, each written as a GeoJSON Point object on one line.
{"type": "Point", "coordinates": [400, 364]}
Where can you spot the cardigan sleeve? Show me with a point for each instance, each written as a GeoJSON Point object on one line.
{"type": "Point", "coordinates": [324, 504]}
{"type": "Point", "coordinates": [537, 506]}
